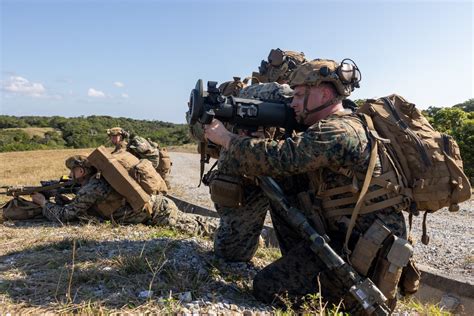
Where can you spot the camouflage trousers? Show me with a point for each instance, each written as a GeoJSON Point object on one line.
{"type": "Point", "coordinates": [166, 213]}
{"type": "Point", "coordinates": [238, 235]}
{"type": "Point", "coordinates": [299, 271]}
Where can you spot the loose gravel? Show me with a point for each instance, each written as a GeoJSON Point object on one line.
{"type": "Point", "coordinates": [449, 252]}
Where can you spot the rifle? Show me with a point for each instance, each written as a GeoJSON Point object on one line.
{"type": "Point", "coordinates": [366, 293]}
{"type": "Point", "coordinates": [48, 188]}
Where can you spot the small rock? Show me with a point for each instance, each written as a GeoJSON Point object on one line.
{"type": "Point", "coordinates": [186, 297]}
{"type": "Point", "coordinates": [145, 294]}
{"type": "Point", "coordinates": [107, 269]}
{"type": "Point", "coordinates": [449, 302]}
{"type": "Point", "coordinates": [248, 313]}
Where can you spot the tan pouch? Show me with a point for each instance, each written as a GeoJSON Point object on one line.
{"type": "Point", "coordinates": [227, 191]}
{"type": "Point", "coordinates": [410, 279]}
{"type": "Point", "coordinates": [368, 246]}
{"type": "Point", "coordinates": [389, 269]}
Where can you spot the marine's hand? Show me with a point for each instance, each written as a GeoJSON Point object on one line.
{"type": "Point", "coordinates": [218, 134]}
{"type": "Point", "coordinates": [38, 198]}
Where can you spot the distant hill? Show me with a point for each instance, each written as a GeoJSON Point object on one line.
{"type": "Point", "coordinates": [41, 132]}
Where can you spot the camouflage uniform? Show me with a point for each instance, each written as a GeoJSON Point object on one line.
{"type": "Point", "coordinates": [96, 191]}
{"type": "Point", "coordinates": [238, 234]}
{"type": "Point", "coordinates": [316, 156]}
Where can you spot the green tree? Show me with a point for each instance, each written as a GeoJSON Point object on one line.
{"type": "Point", "coordinates": [447, 120]}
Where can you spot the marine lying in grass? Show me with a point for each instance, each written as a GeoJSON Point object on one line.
{"type": "Point", "coordinates": [97, 198]}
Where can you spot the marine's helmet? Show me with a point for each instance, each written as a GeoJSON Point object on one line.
{"type": "Point", "coordinates": [114, 131]}
{"type": "Point", "coordinates": [77, 161]}
{"type": "Point", "coordinates": [279, 65]}
{"type": "Point", "coordinates": [344, 76]}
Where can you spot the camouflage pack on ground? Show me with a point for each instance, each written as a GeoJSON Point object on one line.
{"type": "Point", "coordinates": [20, 209]}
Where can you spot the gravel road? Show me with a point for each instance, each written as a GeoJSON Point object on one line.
{"type": "Point", "coordinates": [449, 252]}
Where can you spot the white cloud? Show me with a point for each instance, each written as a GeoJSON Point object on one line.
{"type": "Point", "coordinates": [95, 93]}
{"type": "Point", "coordinates": [125, 96]}
{"type": "Point", "coordinates": [119, 84]}
{"type": "Point", "coordinates": [22, 86]}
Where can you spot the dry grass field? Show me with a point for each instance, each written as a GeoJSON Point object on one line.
{"type": "Point", "coordinates": [34, 131]}
{"type": "Point", "coordinates": [29, 167]}
{"type": "Point", "coordinates": [99, 268]}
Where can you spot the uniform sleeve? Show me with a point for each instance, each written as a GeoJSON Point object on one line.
{"type": "Point", "coordinates": [327, 144]}
{"type": "Point", "coordinates": [84, 199]}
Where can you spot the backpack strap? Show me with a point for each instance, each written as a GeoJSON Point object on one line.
{"type": "Point", "coordinates": [365, 186]}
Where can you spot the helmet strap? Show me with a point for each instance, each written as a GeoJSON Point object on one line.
{"type": "Point", "coordinates": [325, 105]}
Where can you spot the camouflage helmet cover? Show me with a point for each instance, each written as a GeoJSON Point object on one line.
{"type": "Point", "coordinates": [77, 161]}
{"type": "Point", "coordinates": [114, 131]}
{"type": "Point", "coordinates": [344, 78]}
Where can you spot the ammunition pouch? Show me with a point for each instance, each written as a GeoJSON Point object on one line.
{"type": "Point", "coordinates": [388, 269]}
{"type": "Point", "coordinates": [368, 246]}
{"type": "Point", "coordinates": [226, 191]}
{"type": "Point", "coordinates": [382, 256]}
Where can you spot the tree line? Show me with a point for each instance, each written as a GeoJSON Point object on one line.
{"type": "Point", "coordinates": [82, 132]}
{"type": "Point", "coordinates": [90, 131]}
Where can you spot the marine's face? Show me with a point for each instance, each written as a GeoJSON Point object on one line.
{"type": "Point", "coordinates": [78, 174]}
{"type": "Point", "coordinates": [315, 99]}
{"type": "Point", "coordinates": [115, 139]}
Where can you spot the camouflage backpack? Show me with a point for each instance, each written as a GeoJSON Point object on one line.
{"type": "Point", "coordinates": [428, 162]}
{"type": "Point", "coordinates": [20, 209]}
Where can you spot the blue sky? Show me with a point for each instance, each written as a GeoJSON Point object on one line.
{"type": "Point", "coordinates": [140, 59]}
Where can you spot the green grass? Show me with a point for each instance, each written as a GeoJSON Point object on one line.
{"type": "Point", "coordinates": [268, 254]}
{"type": "Point", "coordinates": [414, 305]}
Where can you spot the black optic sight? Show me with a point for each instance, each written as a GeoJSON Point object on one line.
{"type": "Point", "coordinates": [251, 113]}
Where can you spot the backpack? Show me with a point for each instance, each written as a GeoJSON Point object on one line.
{"type": "Point", "coordinates": [143, 149]}
{"type": "Point", "coordinates": [229, 88]}
{"type": "Point", "coordinates": [279, 66]}
{"type": "Point", "coordinates": [142, 171]}
{"type": "Point", "coordinates": [20, 209]}
{"type": "Point", "coordinates": [131, 177]}
{"type": "Point", "coordinates": [428, 162]}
